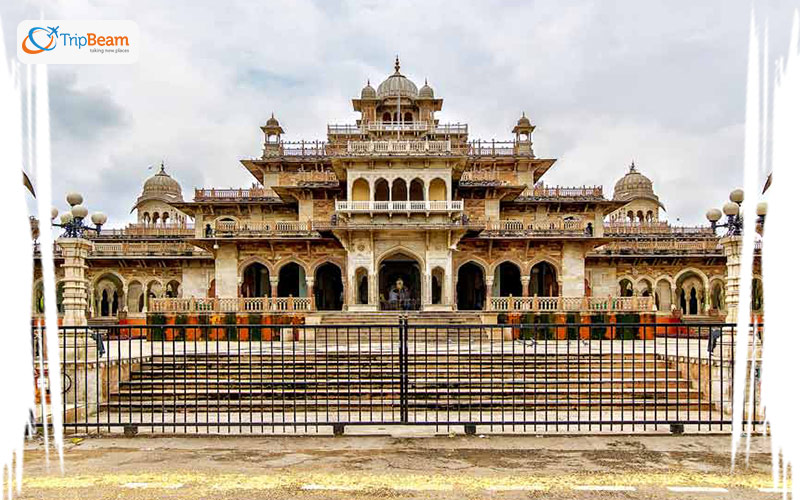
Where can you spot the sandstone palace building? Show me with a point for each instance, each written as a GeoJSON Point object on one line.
{"type": "Point", "coordinates": [398, 212]}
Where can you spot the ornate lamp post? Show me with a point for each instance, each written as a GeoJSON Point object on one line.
{"type": "Point", "coordinates": [75, 249]}
{"type": "Point", "coordinates": [732, 244]}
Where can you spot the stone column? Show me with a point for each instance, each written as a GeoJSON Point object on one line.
{"type": "Point", "coordinates": [310, 291]}
{"type": "Point", "coordinates": [526, 280]}
{"type": "Point", "coordinates": [75, 251]}
{"type": "Point", "coordinates": [226, 260]}
{"type": "Point", "coordinates": [273, 283]}
{"type": "Point", "coordinates": [489, 285]}
{"type": "Point", "coordinates": [573, 272]}
{"type": "Point", "coordinates": [732, 247]}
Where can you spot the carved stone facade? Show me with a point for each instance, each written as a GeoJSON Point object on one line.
{"type": "Point", "coordinates": [398, 197]}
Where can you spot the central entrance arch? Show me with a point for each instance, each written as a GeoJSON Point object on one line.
{"type": "Point", "coordinates": [255, 281]}
{"type": "Point", "coordinates": [399, 266]}
{"type": "Point", "coordinates": [470, 287]}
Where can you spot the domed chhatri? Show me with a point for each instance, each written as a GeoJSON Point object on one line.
{"type": "Point", "coordinates": [426, 92]}
{"type": "Point", "coordinates": [633, 185]}
{"type": "Point", "coordinates": [523, 121]}
{"type": "Point", "coordinates": [368, 92]}
{"type": "Point", "coordinates": [162, 185]}
{"type": "Point", "coordinates": [397, 85]}
{"type": "Point", "coordinates": [636, 189]}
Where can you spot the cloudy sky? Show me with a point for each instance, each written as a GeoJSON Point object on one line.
{"type": "Point", "coordinates": [606, 82]}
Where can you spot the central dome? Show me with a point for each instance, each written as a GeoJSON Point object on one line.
{"type": "Point", "coordinates": [397, 85]}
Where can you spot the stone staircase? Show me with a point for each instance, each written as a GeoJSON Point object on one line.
{"type": "Point", "coordinates": [492, 381]}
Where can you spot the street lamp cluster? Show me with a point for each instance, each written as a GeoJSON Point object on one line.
{"type": "Point", "coordinates": [732, 210]}
{"type": "Point", "coordinates": [72, 221]}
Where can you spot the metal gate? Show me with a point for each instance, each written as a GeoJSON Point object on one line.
{"type": "Point", "coordinates": [287, 378]}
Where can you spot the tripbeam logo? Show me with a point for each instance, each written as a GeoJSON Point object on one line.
{"type": "Point", "coordinates": [78, 42]}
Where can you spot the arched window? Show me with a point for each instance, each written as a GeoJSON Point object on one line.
{"type": "Point", "coordinates": [470, 287]}
{"type": "Point", "coordinates": [543, 281]}
{"type": "Point", "coordinates": [437, 280]}
{"type": "Point", "coordinates": [155, 218]}
{"type": "Point", "coordinates": [437, 191]}
{"type": "Point", "coordinates": [255, 281]}
{"type": "Point", "coordinates": [408, 117]}
{"type": "Point", "coordinates": [381, 190]}
{"type": "Point", "coordinates": [630, 216]}
{"type": "Point", "coordinates": [146, 218]}
{"type": "Point", "coordinates": [399, 190]}
{"type": "Point", "coordinates": [417, 190]}
{"type": "Point", "coordinates": [387, 117]}
{"type": "Point", "coordinates": [625, 288]}
{"type": "Point", "coordinates": [507, 280]}
{"type": "Point", "coordinates": [360, 190]}
{"type": "Point", "coordinates": [164, 218]}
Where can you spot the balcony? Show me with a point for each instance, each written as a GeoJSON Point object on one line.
{"type": "Point", "coordinates": [572, 304]}
{"type": "Point", "coordinates": [655, 228]}
{"type": "Point", "coordinates": [498, 148]}
{"type": "Point", "coordinates": [253, 193]}
{"type": "Point", "coordinates": [159, 230]}
{"type": "Point", "coordinates": [488, 177]}
{"type": "Point", "coordinates": [535, 228]}
{"type": "Point", "coordinates": [414, 126]}
{"type": "Point", "coordinates": [398, 147]}
{"type": "Point", "coordinates": [407, 207]}
{"type": "Point", "coordinates": [664, 246]}
{"type": "Point", "coordinates": [559, 192]}
{"type": "Point", "coordinates": [141, 249]}
{"type": "Point", "coordinates": [273, 229]}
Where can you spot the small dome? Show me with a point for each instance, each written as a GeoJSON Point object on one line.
{"type": "Point", "coordinates": [368, 92]}
{"type": "Point", "coordinates": [524, 121]}
{"type": "Point", "coordinates": [426, 92]}
{"type": "Point", "coordinates": [272, 121]}
{"type": "Point", "coordinates": [397, 85]}
{"type": "Point", "coordinates": [634, 185]}
{"type": "Point", "coordinates": [162, 186]}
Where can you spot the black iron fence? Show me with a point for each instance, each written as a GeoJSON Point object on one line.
{"type": "Point", "coordinates": [282, 378]}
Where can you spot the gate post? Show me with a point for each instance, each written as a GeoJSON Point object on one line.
{"type": "Point", "coordinates": [403, 365]}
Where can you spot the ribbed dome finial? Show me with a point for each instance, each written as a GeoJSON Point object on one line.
{"type": "Point", "coordinates": [397, 64]}
{"type": "Point", "coordinates": [633, 167]}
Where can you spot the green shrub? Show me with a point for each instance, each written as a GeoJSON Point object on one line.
{"type": "Point", "coordinates": [573, 331]}
{"type": "Point", "coordinates": [598, 332]}
{"type": "Point", "coordinates": [627, 332]}
{"type": "Point", "coordinates": [156, 321]}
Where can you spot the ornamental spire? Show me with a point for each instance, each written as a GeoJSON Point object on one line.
{"type": "Point", "coordinates": [397, 64]}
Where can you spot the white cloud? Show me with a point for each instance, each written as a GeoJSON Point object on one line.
{"type": "Point", "coordinates": [603, 81]}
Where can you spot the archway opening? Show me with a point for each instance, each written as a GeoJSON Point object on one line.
{"type": "Point", "coordinates": [437, 280]}
{"type": "Point", "coordinates": [663, 296]}
{"type": "Point", "coordinates": [417, 190]}
{"type": "Point", "coordinates": [399, 190]}
{"type": "Point", "coordinates": [692, 293]}
{"type": "Point", "coordinates": [544, 281]}
{"type": "Point", "coordinates": [362, 281]}
{"type": "Point", "coordinates": [507, 280]}
{"type": "Point", "coordinates": [328, 287]}
{"type": "Point", "coordinates": [255, 281]}
{"type": "Point", "coordinates": [399, 283]}
{"type": "Point", "coordinates": [135, 297]}
{"type": "Point", "coordinates": [625, 288]}
{"type": "Point", "coordinates": [470, 287]}
{"type": "Point", "coordinates": [360, 190]}
{"type": "Point", "coordinates": [381, 190]}
{"type": "Point", "coordinates": [108, 295]}
{"type": "Point", "coordinates": [437, 190]}
{"type": "Point", "coordinates": [291, 281]}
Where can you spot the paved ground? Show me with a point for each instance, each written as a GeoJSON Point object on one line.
{"type": "Point", "coordinates": [404, 466]}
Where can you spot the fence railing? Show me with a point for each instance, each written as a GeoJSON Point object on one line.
{"type": "Point", "coordinates": [230, 228]}
{"type": "Point", "coordinates": [234, 304]}
{"type": "Point", "coordinates": [144, 248]}
{"type": "Point", "coordinates": [256, 378]}
{"type": "Point", "coordinates": [413, 126]}
{"type": "Point", "coordinates": [397, 147]}
{"type": "Point", "coordinates": [661, 246]}
{"type": "Point", "coordinates": [570, 304]}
